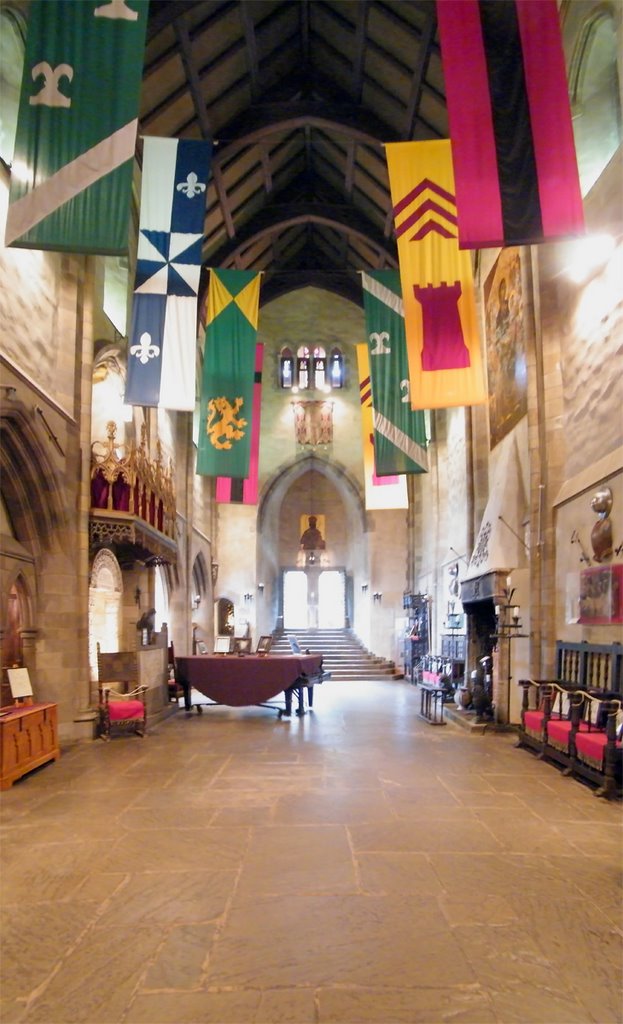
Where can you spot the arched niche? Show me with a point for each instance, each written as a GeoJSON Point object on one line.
{"type": "Point", "coordinates": [105, 599]}
{"type": "Point", "coordinates": [270, 554]}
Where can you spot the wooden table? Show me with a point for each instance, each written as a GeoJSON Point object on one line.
{"type": "Point", "coordinates": [250, 679]}
{"type": "Point", "coordinates": [28, 739]}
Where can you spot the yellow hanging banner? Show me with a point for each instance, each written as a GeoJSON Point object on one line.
{"type": "Point", "coordinates": [443, 343]}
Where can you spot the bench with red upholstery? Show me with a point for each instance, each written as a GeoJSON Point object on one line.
{"type": "Point", "coordinates": [575, 728]}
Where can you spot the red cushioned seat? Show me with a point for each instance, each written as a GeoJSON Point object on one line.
{"type": "Point", "coordinates": [559, 730]}
{"type": "Point", "coordinates": [533, 721]}
{"type": "Point", "coordinates": [119, 710]}
{"type": "Point", "coordinates": [592, 746]}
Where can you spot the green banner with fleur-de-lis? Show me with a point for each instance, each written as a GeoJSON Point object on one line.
{"type": "Point", "coordinates": [226, 409]}
{"type": "Point", "coordinates": [399, 431]}
{"type": "Point", "coordinates": [71, 177]}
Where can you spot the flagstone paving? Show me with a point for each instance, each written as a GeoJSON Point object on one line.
{"type": "Point", "coordinates": [354, 866]}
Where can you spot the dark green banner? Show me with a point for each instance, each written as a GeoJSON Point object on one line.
{"type": "Point", "coordinates": [399, 431]}
{"type": "Point", "coordinates": [226, 411]}
{"type": "Point", "coordinates": [71, 177]}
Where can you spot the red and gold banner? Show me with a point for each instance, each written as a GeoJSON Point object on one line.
{"type": "Point", "coordinates": [443, 343]}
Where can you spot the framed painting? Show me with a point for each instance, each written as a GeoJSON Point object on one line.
{"type": "Point", "coordinates": [601, 595]}
{"type": "Point", "coordinates": [264, 644]}
{"type": "Point", "coordinates": [222, 645]}
{"type": "Point", "coordinates": [505, 332]}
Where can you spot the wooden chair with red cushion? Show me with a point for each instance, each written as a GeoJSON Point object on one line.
{"type": "Point", "coordinates": [122, 701]}
{"type": "Point", "coordinates": [122, 709]}
{"type": "Point", "coordinates": [599, 745]}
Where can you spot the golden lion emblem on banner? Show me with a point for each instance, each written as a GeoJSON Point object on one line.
{"type": "Point", "coordinates": [222, 424]}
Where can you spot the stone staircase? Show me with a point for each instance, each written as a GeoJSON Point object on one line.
{"type": "Point", "coordinates": [344, 656]}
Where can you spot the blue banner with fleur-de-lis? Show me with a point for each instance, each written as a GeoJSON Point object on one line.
{"type": "Point", "coordinates": [163, 338]}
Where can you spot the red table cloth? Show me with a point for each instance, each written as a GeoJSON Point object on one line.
{"type": "Point", "coordinates": [239, 681]}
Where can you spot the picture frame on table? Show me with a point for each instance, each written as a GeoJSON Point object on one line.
{"type": "Point", "coordinates": [264, 644]}
{"type": "Point", "coordinates": [242, 645]}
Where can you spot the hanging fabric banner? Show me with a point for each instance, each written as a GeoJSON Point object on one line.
{"type": "Point", "coordinates": [245, 491]}
{"type": "Point", "coordinates": [399, 430]}
{"type": "Point", "coordinates": [514, 155]}
{"type": "Point", "coordinates": [382, 492]}
{"type": "Point", "coordinates": [71, 178]}
{"type": "Point", "coordinates": [163, 337]}
{"type": "Point", "coordinates": [441, 326]}
{"type": "Point", "coordinates": [226, 414]}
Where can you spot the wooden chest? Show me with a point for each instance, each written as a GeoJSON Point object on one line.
{"type": "Point", "coordinates": [28, 738]}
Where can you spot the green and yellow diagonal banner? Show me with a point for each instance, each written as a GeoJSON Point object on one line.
{"type": "Point", "coordinates": [399, 430]}
{"type": "Point", "coordinates": [226, 409]}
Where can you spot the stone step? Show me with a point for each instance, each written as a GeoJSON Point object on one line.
{"type": "Point", "coordinates": [343, 654]}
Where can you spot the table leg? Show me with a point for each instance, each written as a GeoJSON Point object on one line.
{"type": "Point", "coordinates": [288, 697]}
{"type": "Point", "coordinates": [301, 707]}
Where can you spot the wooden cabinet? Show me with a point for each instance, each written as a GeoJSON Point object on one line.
{"type": "Point", "coordinates": [28, 738]}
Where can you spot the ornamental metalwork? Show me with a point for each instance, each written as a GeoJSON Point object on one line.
{"type": "Point", "coordinates": [132, 497]}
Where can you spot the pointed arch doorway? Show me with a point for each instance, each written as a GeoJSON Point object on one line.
{"type": "Point", "coordinates": [314, 598]}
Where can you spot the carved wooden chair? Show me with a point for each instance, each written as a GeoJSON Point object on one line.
{"type": "Point", "coordinates": [122, 701]}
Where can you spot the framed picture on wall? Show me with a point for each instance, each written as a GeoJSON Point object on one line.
{"type": "Point", "coordinates": [506, 344]}
{"type": "Point", "coordinates": [601, 595]}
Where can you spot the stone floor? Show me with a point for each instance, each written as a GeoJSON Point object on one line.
{"type": "Point", "coordinates": [354, 865]}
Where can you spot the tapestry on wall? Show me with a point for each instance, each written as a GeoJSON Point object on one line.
{"type": "Point", "coordinates": [601, 595]}
{"type": "Point", "coordinates": [71, 179]}
{"type": "Point", "coordinates": [313, 423]}
{"type": "Point", "coordinates": [506, 345]}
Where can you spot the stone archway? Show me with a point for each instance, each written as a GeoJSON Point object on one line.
{"type": "Point", "coordinates": [105, 595]}
{"type": "Point", "coordinates": [289, 490]}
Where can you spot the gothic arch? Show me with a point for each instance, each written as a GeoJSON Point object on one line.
{"type": "Point", "coordinates": [105, 599]}
{"type": "Point", "coordinates": [30, 484]}
{"type": "Point", "coordinates": [283, 478]}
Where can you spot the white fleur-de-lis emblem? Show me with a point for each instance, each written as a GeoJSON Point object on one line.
{"type": "Point", "coordinates": [50, 94]}
{"type": "Point", "coordinates": [115, 9]}
{"type": "Point", "coordinates": [145, 351]}
{"type": "Point", "coordinates": [192, 186]}
{"type": "Point", "coordinates": [380, 349]}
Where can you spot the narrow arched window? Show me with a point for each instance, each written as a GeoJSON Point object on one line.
{"type": "Point", "coordinates": [595, 98]}
{"type": "Point", "coordinates": [336, 369]}
{"type": "Point", "coordinates": [320, 368]}
{"type": "Point", "coordinates": [286, 368]}
{"type": "Point", "coordinates": [12, 38]}
{"type": "Point", "coordinates": [302, 367]}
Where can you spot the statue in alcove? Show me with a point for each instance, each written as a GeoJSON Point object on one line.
{"type": "Point", "coordinates": [311, 538]}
